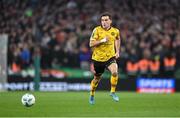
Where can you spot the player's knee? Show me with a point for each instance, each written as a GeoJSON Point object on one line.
{"type": "Point", "coordinates": [114, 74]}
{"type": "Point", "coordinates": [97, 77]}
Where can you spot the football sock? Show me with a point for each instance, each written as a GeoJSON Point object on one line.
{"type": "Point", "coordinates": [114, 80]}
{"type": "Point", "coordinates": [94, 84]}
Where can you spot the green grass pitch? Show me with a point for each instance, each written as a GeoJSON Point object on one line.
{"type": "Point", "coordinates": [75, 104]}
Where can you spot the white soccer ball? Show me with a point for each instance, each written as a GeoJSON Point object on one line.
{"type": "Point", "coordinates": [28, 99]}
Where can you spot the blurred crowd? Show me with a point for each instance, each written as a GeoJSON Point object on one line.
{"type": "Point", "coordinates": [60, 29]}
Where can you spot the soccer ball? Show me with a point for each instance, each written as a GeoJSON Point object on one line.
{"type": "Point", "coordinates": [28, 99]}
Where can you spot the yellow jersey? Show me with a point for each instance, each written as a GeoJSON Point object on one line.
{"type": "Point", "coordinates": [104, 51]}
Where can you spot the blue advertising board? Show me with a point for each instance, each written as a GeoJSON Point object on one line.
{"type": "Point", "coordinates": [155, 85]}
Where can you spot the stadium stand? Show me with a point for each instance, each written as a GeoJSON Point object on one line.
{"type": "Point", "coordinates": [150, 33]}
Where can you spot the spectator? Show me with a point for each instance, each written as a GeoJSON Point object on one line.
{"type": "Point", "coordinates": [150, 25]}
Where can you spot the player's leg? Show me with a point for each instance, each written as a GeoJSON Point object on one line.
{"type": "Point", "coordinates": [113, 68]}
{"type": "Point", "coordinates": [94, 84]}
{"type": "Point", "coordinates": [98, 70]}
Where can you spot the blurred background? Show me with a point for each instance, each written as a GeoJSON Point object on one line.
{"type": "Point", "coordinates": [44, 44]}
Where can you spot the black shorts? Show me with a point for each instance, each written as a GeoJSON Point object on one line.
{"type": "Point", "coordinates": [99, 67]}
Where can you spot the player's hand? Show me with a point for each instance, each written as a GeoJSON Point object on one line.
{"type": "Point", "coordinates": [104, 40]}
{"type": "Point", "coordinates": [107, 38]}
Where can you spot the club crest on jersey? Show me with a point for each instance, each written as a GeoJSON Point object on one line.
{"type": "Point", "coordinates": [112, 33]}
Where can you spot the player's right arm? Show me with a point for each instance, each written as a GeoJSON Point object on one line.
{"type": "Point", "coordinates": [94, 42]}
{"type": "Point", "coordinates": [94, 39]}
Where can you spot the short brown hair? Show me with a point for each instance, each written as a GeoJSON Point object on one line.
{"type": "Point", "coordinates": [106, 14]}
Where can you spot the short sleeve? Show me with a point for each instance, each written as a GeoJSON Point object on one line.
{"type": "Point", "coordinates": [94, 34]}
{"type": "Point", "coordinates": [118, 34]}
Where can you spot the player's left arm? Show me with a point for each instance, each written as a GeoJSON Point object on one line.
{"type": "Point", "coordinates": [117, 44]}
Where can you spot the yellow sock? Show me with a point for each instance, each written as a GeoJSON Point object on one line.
{"type": "Point", "coordinates": [114, 80]}
{"type": "Point", "coordinates": [94, 84]}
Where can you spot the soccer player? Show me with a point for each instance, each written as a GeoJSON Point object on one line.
{"type": "Point", "coordinates": [105, 45]}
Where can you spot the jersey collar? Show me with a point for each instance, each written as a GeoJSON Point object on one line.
{"type": "Point", "coordinates": [105, 29]}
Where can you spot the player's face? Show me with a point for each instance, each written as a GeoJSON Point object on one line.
{"type": "Point", "coordinates": [106, 22]}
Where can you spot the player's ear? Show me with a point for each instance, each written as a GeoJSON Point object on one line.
{"type": "Point", "coordinates": [111, 21]}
